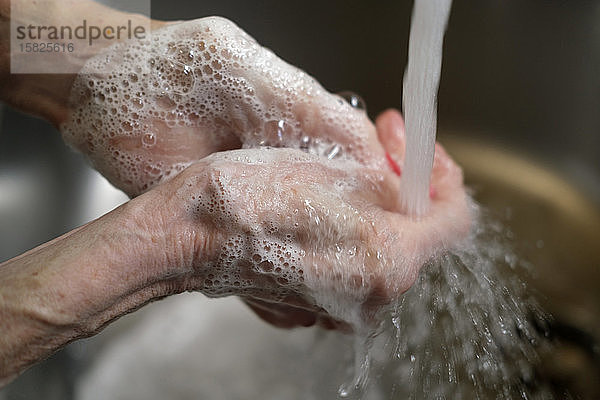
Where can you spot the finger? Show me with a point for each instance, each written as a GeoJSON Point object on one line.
{"type": "Point", "coordinates": [380, 189]}
{"type": "Point", "coordinates": [281, 315]}
{"type": "Point", "coordinates": [391, 133]}
{"type": "Point", "coordinates": [326, 322]}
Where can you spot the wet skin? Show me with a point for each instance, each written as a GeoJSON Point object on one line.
{"type": "Point", "coordinates": [161, 243]}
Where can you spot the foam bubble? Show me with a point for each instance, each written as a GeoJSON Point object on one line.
{"type": "Point", "coordinates": [202, 86]}
{"type": "Point", "coordinates": [194, 88]}
{"type": "Point", "coordinates": [283, 240]}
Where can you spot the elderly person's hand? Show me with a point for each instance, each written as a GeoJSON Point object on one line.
{"type": "Point", "coordinates": [310, 235]}
{"type": "Point", "coordinates": [304, 240]}
{"type": "Point", "coordinates": [145, 110]}
{"type": "Point", "coordinates": [401, 244]}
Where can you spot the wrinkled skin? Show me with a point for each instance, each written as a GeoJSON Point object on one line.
{"type": "Point", "coordinates": [356, 244]}
{"type": "Point", "coordinates": [405, 242]}
{"type": "Point", "coordinates": [272, 91]}
{"type": "Point", "coordinates": [341, 218]}
{"type": "Point", "coordinates": [447, 223]}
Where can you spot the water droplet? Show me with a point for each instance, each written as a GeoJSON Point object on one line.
{"type": "Point", "coordinates": [354, 100]}
{"type": "Point", "coordinates": [277, 131]}
{"type": "Point", "coordinates": [305, 143]}
{"type": "Point", "coordinates": [334, 151]}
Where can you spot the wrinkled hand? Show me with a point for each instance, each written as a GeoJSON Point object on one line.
{"type": "Point", "coordinates": [305, 240]}
{"type": "Point", "coordinates": [205, 86]}
{"type": "Point", "coordinates": [145, 111]}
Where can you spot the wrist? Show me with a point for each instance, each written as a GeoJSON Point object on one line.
{"type": "Point", "coordinates": [146, 249]}
{"type": "Point", "coordinates": [120, 270]}
{"type": "Point", "coordinates": [63, 290]}
{"type": "Point", "coordinates": [70, 288]}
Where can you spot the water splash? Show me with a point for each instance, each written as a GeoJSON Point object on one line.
{"type": "Point", "coordinates": [468, 328]}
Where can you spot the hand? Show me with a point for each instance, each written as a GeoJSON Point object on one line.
{"type": "Point", "coordinates": [173, 109]}
{"type": "Point", "coordinates": [303, 240]}
{"type": "Point", "coordinates": [200, 87]}
{"type": "Point", "coordinates": [447, 223]}
{"type": "Point", "coordinates": [297, 237]}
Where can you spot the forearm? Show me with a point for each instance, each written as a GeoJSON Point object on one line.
{"type": "Point", "coordinates": [47, 95]}
{"type": "Point", "coordinates": [75, 285]}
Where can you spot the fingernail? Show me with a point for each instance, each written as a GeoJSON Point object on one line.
{"type": "Point", "coordinates": [395, 167]}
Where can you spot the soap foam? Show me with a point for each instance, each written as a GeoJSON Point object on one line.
{"type": "Point", "coordinates": [286, 240]}
{"type": "Point", "coordinates": [194, 88]}
{"type": "Point", "coordinates": [201, 86]}
{"type": "Point", "coordinates": [167, 102]}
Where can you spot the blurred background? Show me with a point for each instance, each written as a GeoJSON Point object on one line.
{"type": "Point", "coordinates": [519, 107]}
